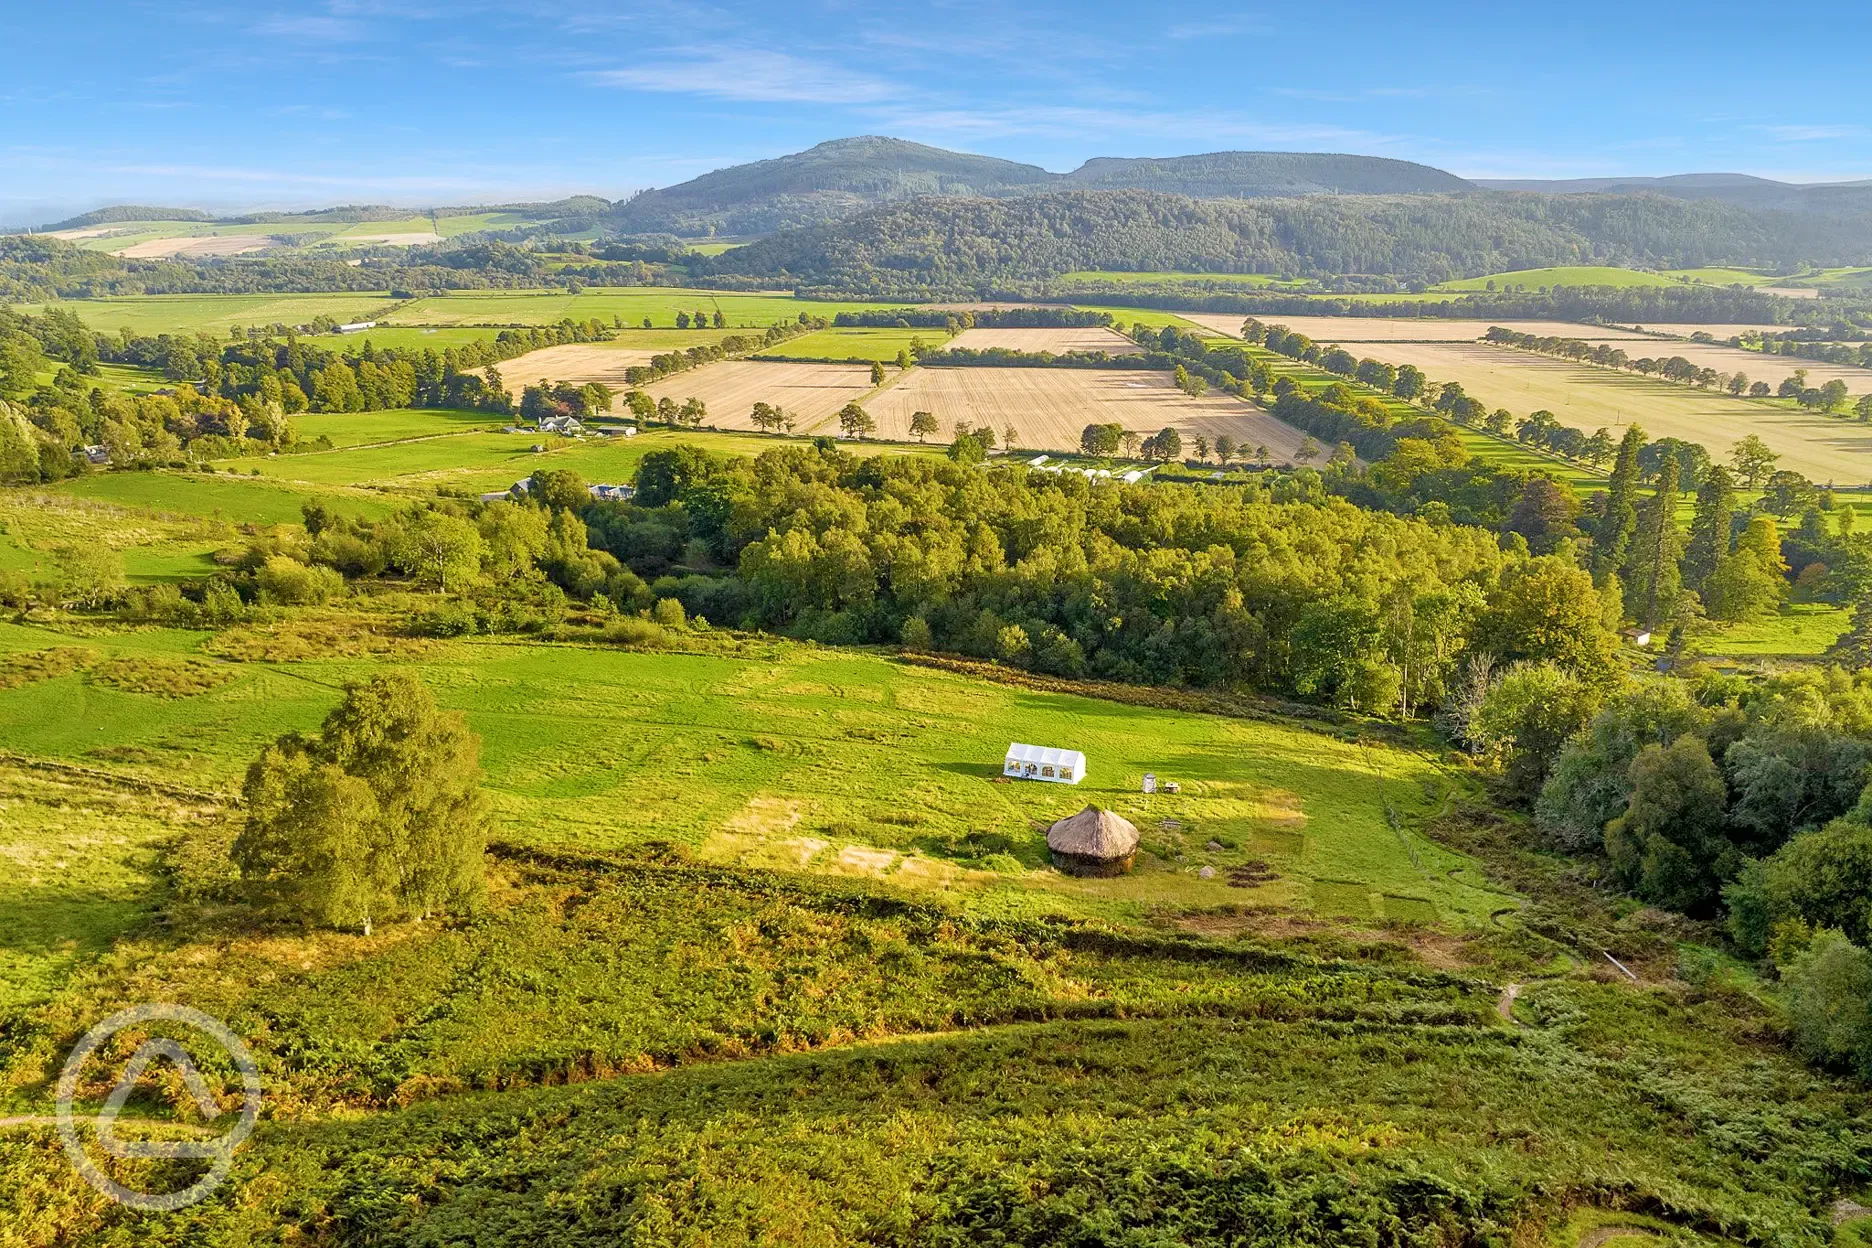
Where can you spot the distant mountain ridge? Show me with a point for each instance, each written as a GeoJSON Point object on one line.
{"type": "Point", "coordinates": [1742, 189]}
{"type": "Point", "coordinates": [841, 178]}
{"type": "Point", "coordinates": [955, 244]}
{"type": "Point", "coordinates": [844, 176]}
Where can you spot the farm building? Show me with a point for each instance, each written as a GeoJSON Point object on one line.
{"type": "Point", "coordinates": [357, 327]}
{"type": "Point", "coordinates": [1093, 842]}
{"type": "Point", "coordinates": [567, 425]}
{"type": "Point", "coordinates": [1040, 762]}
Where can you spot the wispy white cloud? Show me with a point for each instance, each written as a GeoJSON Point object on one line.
{"type": "Point", "coordinates": [748, 74]}
{"type": "Point", "coordinates": [1365, 95]}
{"type": "Point", "coordinates": [1221, 28]}
{"type": "Point", "coordinates": [311, 27]}
{"type": "Point", "coordinates": [1076, 122]}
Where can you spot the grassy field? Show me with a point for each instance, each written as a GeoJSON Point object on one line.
{"type": "Point", "coordinates": [215, 314]}
{"type": "Point", "coordinates": [1566, 275]}
{"type": "Point", "coordinates": [835, 763]}
{"type": "Point", "coordinates": [1799, 631]}
{"type": "Point", "coordinates": [856, 343]}
{"type": "Point", "coordinates": [1824, 448]}
{"type": "Point", "coordinates": [241, 499]}
{"type": "Point", "coordinates": [660, 304]}
{"type": "Point", "coordinates": [1117, 278]}
{"type": "Point", "coordinates": [476, 462]}
{"type": "Point", "coordinates": [856, 962]}
{"type": "Point", "coordinates": [362, 428]}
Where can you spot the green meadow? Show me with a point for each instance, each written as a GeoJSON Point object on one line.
{"type": "Point", "coordinates": [1566, 275]}
{"type": "Point", "coordinates": [362, 428]}
{"type": "Point", "coordinates": [1126, 278]}
{"type": "Point", "coordinates": [215, 314]}
{"type": "Point", "coordinates": [632, 304]}
{"type": "Point", "coordinates": [834, 761]}
{"type": "Point", "coordinates": [855, 343]}
{"type": "Point", "coordinates": [240, 499]}
{"type": "Point", "coordinates": [770, 907]}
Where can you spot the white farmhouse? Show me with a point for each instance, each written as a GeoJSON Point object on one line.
{"type": "Point", "coordinates": [1040, 762]}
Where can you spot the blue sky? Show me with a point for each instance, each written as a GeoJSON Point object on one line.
{"type": "Point", "coordinates": [426, 102]}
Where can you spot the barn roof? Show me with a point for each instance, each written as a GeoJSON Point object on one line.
{"type": "Point", "coordinates": [1045, 755]}
{"type": "Point", "coordinates": [1094, 833]}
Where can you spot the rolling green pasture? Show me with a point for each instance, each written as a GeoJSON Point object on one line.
{"type": "Point", "coordinates": [214, 314]}
{"type": "Point", "coordinates": [132, 378]}
{"type": "Point", "coordinates": [238, 499]}
{"type": "Point", "coordinates": [493, 461]}
{"type": "Point", "coordinates": [855, 344]}
{"type": "Point", "coordinates": [969, 1036]}
{"type": "Point", "coordinates": [1798, 631]}
{"type": "Point", "coordinates": [660, 304]}
{"type": "Point", "coordinates": [1566, 275]}
{"type": "Point", "coordinates": [840, 762]}
{"type": "Point", "coordinates": [363, 428]}
{"type": "Point", "coordinates": [1723, 276]}
{"type": "Point", "coordinates": [1114, 277]}
{"type": "Point", "coordinates": [403, 338]}
{"type": "Point", "coordinates": [1503, 451]}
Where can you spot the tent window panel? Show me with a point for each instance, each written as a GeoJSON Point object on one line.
{"type": "Point", "coordinates": [1046, 771]}
{"type": "Point", "coordinates": [1065, 773]}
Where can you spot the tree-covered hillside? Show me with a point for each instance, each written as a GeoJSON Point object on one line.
{"type": "Point", "coordinates": [953, 244]}
{"type": "Point", "coordinates": [829, 181]}
{"type": "Point", "coordinates": [1247, 175]}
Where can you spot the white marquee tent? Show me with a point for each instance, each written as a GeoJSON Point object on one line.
{"type": "Point", "coordinates": [1039, 762]}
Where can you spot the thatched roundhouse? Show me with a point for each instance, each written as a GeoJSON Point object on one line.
{"type": "Point", "coordinates": [1093, 842]}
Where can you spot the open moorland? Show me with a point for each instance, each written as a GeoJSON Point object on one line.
{"type": "Point", "coordinates": [1048, 408]}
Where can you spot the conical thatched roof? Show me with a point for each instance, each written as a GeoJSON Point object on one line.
{"type": "Point", "coordinates": [1094, 833]}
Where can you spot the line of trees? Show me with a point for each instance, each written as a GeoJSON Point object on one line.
{"type": "Point", "coordinates": [1830, 397]}
{"type": "Point", "coordinates": [956, 320]}
{"type": "Point", "coordinates": [668, 363]}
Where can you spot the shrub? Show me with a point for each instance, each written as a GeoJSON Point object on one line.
{"type": "Point", "coordinates": [286, 580]}
{"type": "Point", "coordinates": [160, 677]}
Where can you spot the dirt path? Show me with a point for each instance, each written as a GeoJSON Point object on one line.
{"type": "Point", "coordinates": [1505, 1006]}
{"type": "Point", "coordinates": [1600, 1235]}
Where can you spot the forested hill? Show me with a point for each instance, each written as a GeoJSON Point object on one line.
{"type": "Point", "coordinates": [130, 212]}
{"type": "Point", "coordinates": [1740, 189]}
{"type": "Point", "coordinates": [837, 179]}
{"type": "Point", "coordinates": [942, 245]}
{"type": "Point", "coordinates": [823, 183]}
{"type": "Point", "coordinates": [1246, 175]}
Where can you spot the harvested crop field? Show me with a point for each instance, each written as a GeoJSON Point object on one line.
{"type": "Point", "coordinates": [811, 393]}
{"type": "Point", "coordinates": [1721, 333]}
{"type": "Point", "coordinates": [1759, 367]}
{"type": "Point", "coordinates": [394, 240]}
{"type": "Point", "coordinates": [1349, 329]}
{"type": "Point", "coordinates": [1588, 397]}
{"type": "Point", "coordinates": [1058, 341]}
{"type": "Point", "coordinates": [203, 245]}
{"type": "Point", "coordinates": [576, 362]}
{"type": "Point", "coordinates": [1048, 408]}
